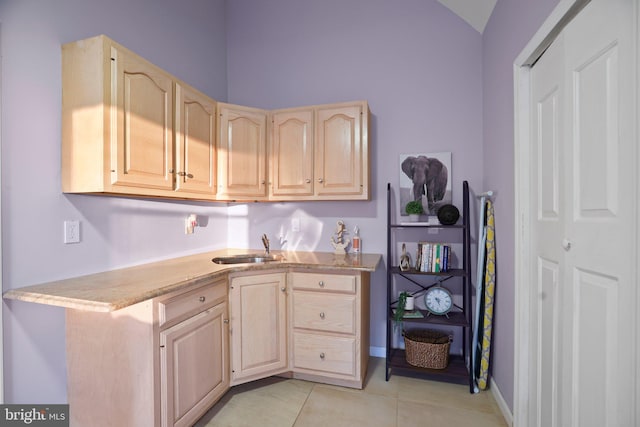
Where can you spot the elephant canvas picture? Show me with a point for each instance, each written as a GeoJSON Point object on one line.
{"type": "Point", "coordinates": [427, 178]}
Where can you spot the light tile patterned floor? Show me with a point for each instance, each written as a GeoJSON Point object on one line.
{"type": "Point", "coordinates": [400, 402]}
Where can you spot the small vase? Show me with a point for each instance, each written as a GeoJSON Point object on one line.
{"type": "Point", "coordinates": [414, 217]}
{"type": "Point", "coordinates": [409, 304]}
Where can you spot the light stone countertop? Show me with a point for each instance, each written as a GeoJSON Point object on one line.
{"type": "Point", "coordinates": [116, 289]}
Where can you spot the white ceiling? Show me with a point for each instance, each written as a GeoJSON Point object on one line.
{"type": "Point", "coordinates": [475, 12]}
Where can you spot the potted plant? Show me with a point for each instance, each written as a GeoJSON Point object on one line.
{"type": "Point", "coordinates": [414, 209]}
{"type": "Point", "coordinates": [405, 303]}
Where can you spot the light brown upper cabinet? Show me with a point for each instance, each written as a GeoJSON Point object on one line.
{"type": "Point", "coordinates": [130, 128]}
{"type": "Point", "coordinates": [291, 154]}
{"type": "Point", "coordinates": [118, 134]}
{"type": "Point", "coordinates": [242, 153]}
{"type": "Point", "coordinates": [195, 125]}
{"type": "Point", "coordinates": [320, 152]}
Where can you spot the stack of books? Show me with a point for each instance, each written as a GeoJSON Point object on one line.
{"type": "Point", "coordinates": [433, 257]}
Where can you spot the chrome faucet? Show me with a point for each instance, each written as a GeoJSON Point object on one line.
{"type": "Point", "coordinates": [265, 242]}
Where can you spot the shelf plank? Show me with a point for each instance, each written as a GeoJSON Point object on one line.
{"type": "Point", "coordinates": [456, 318]}
{"type": "Point", "coordinates": [450, 272]}
{"type": "Point", "coordinates": [422, 225]}
{"type": "Point", "coordinates": [455, 372]}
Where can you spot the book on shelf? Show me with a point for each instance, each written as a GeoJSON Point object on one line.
{"type": "Point", "coordinates": [413, 314]}
{"type": "Point", "coordinates": [433, 257]}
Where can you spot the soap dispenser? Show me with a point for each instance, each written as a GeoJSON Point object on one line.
{"type": "Point", "coordinates": [355, 244]}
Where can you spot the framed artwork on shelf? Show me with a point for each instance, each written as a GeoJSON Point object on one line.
{"type": "Point", "coordinates": [425, 177]}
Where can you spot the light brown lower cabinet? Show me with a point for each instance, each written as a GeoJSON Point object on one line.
{"type": "Point", "coordinates": [193, 366]}
{"type": "Point", "coordinates": [166, 361]}
{"type": "Point", "coordinates": [258, 326]}
{"type": "Point", "coordinates": [330, 327]}
{"type": "Point", "coordinates": [161, 362]}
{"type": "Point", "coordinates": [311, 325]}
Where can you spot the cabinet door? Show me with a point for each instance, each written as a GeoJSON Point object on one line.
{"type": "Point", "coordinates": [142, 135]}
{"type": "Point", "coordinates": [195, 123]}
{"type": "Point", "coordinates": [341, 153]}
{"type": "Point", "coordinates": [194, 366]}
{"type": "Point", "coordinates": [242, 156]}
{"type": "Point", "coordinates": [291, 152]}
{"type": "Point", "coordinates": [258, 326]}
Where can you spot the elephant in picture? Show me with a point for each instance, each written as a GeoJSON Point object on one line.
{"type": "Point", "coordinates": [429, 176]}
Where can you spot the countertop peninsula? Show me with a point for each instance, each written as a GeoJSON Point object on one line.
{"type": "Point", "coordinates": [115, 289]}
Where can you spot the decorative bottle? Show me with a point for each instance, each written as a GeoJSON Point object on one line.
{"type": "Point", "coordinates": [355, 244]}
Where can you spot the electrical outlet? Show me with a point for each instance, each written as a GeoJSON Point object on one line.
{"type": "Point", "coordinates": [190, 223]}
{"type": "Point", "coordinates": [295, 224]}
{"type": "Point", "coordinates": [71, 232]}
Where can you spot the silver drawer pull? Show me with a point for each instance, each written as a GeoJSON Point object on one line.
{"type": "Point", "coordinates": [322, 315]}
{"type": "Point", "coordinates": [322, 356]}
{"type": "Point", "coordinates": [321, 284]}
{"type": "Point", "coordinates": [225, 321]}
{"type": "Point", "coordinates": [202, 299]}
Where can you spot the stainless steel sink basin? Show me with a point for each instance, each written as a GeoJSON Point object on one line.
{"type": "Point", "coordinates": [247, 259]}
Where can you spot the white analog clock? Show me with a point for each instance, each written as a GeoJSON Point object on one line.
{"type": "Point", "coordinates": [438, 300]}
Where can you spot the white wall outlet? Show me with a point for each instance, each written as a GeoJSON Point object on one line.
{"type": "Point", "coordinates": [295, 224]}
{"type": "Point", "coordinates": [71, 232]}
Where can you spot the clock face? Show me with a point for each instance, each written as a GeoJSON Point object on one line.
{"type": "Point", "coordinates": [438, 300]}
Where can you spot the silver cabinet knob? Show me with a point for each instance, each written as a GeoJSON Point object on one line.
{"type": "Point", "coordinates": [283, 289]}
{"type": "Point", "coordinates": [320, 180]}
{"type": "Point", "coordinates": [322, 356]}
{"type": "Point", "coordinates": [566, 244]}
{"type": "Point", "coordinates": [307, 180]}
{"type": "Point", "coordinates": [321, 284]}
{"type": "Point", "coordinates": [202, 299]}
{"type": "Point", "coordinates": [322, 315]}
{"type": "Point", "coordinates": [225, 321]}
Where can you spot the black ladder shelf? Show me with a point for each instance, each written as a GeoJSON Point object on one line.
{"type": "Point", "coordinates": [458, 369]}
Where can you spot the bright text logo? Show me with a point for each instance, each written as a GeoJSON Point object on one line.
{"type": "Point", "coordinates": [34, 415]}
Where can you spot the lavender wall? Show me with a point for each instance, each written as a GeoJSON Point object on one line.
{"type": "Point", "coordinates": [185, 38]}
{"type": "Point", "coordinates": [510, 28]}
{"type": "Point", "coordinates": [417, 64]}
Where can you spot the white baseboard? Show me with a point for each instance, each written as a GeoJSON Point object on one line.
{"type": "Point", "coordinates": [377, 352]}
{"type": "Point", "coordinates": [497, 395]}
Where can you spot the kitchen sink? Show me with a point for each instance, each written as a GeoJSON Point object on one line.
{"type": "Point", "coordinates": [247, 259]}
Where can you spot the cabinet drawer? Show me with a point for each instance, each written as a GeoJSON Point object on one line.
{"type": "Point", "coordinates": [324, 312]}
{"type": "Point", "coordinates": [191, 302]}
{"type": "Point", "coordinates": [336, 355]}
{"type": "Point", "coordinates": [324, 282]}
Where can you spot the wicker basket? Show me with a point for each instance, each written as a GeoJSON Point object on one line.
{"type": "Point", "coordinates": [427, 348]}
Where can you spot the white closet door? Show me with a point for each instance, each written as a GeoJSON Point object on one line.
{"type": "Point", "coordinates": [583, 198]}
{"type": "Point", "coordinates": [549, 205]}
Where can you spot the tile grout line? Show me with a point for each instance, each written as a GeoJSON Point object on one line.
{"type": "Point", "coordinates": [303, 404]}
